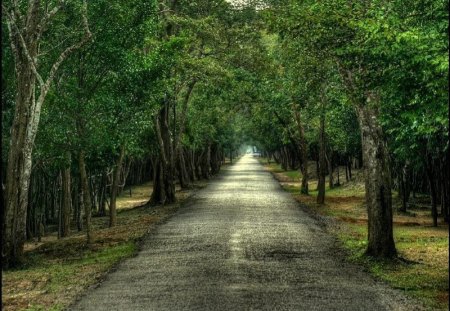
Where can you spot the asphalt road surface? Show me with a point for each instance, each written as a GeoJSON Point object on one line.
{"type": "Point", "coordinates": [241, 243]}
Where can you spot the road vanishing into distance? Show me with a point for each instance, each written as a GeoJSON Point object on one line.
{"type": "Point", "coordinates": [241, 243]}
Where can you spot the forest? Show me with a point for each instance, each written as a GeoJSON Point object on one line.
{"type": "Point", "coordinates": [99, 96]}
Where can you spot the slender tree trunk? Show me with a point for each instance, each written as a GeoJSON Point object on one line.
{"type": "Point", "coordinates": [67, 195]}
{"type": "Point", "coordinates": [115, 187]}
{"type": "Point", "coordinates": [405, 186]}
{"type": "Point", "coordinates": [432, 184]}
{"type": "Point", "coordinates": [329, 160]}
{"type": "Point", "coordinates": [102, 203]}
{"type": "Point", "coordinates": [189, 159]}
{"type": "Point", "coordinates": [205, 163]}
{"type": "Point", "coordinates": [215, 159]}
{"type": "Point", "coordinates": [86, 196]}
{"type": "Point", "coordinates": [183, 175]}
{"type": "Point", "coordinates": [377, 181]}
{"type": "Point", "coordinates": [338, 175]}
{"type": "Point", "coordinates": [322, 161]}
{"type": "Point", "coordinates": [349, 165]}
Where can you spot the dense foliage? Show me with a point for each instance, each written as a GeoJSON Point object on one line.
{"type": "Point", "coordinates": [164, 90]}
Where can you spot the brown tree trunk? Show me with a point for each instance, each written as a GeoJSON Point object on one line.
{"type": "Point", "coordinates": [205, 163]}
{"type": "Point", "coordinates": [102, 203]}
{"type": "Point", "coordinates": [303, 155]}
{"type": "Point", "coordinates": [432, 184]}
{"type": "Point", "coordinates": [86, 196]}
{"type": "Point", "coordinates": [329, 160]}
{"type": "Point", "coordinates": [322, 161]}
{"type": "Point", "coordinates": [349, 166]}
{"type": "Point", "coordinates": [164, 182]}
{"type": "Point", "coordinates": [67, 198]}
{"type": "Point", "coordinates": [405, 188]}
{"type": "Point", "coordinates": [190, 163]}
{"type": "Point", "coordinates": [115, 187]}
{"type": "Point", "coordinates": [183, 175]}
{"type": "Point", "coordinates": [377, 182]}
{"type": "Point", "coordinates": [215, 159]}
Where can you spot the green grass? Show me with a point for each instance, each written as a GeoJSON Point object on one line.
{"type": "Point", "coordinates": [294, 175]}
{"type": "Point", "coordinates": [422, 271]}
{"type": "Point", "coordinates": [57, 275]}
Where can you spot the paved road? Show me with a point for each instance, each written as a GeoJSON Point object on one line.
{"type": "Point", "coordinates": [242, 243]}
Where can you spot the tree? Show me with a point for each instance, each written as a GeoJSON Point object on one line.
{"type": "Point", "coordinates": [27, 25]}
{"type": "Point", "coordinates": [332, 30]}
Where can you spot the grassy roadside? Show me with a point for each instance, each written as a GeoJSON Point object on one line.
{"type": "Point", "coordinates": [423, 270]}
{"type": "Point", "coordinates": [58, 271]}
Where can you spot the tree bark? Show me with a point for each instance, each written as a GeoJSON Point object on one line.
{"type": "Point", "coordinates": [183, 175]}
{"type": "Point", "coordinates": [164, 176]}
{"type": "Point", "coordinates": [115, 187]}
{"type": "Point", "coordinates": [405, 187]}
{"type": "Point", "coordinates": [322, 161]}
{"type": "Point", "coordinates": [205, 163]}
{"type": "Point", "coordinates": [67, 198]}
{"type": "Point", "coordinates": [18, 169]}
{"type": "Point", "coordinates": [86, 196]}
{"type": "Point", "coordinates": [377, 181]}
{"type": "Point", "coordinates": [102, 203]}
{"type": "Point", "coordinates": [329, 160]}
{"type": "Point", "coordinates": [215, 159]}
{"type": "Point", "coordinates": [432, 184]}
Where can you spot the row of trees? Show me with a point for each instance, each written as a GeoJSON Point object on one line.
{"type": "Point", "coordinates": [124, 92]}
{"type": "Point", "coordinates": [146, 91]}
{"type": "Point", "coordinates": [375, 70]}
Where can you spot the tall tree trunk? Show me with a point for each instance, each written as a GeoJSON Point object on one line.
{"type": "Point", "coordinates": [377, 181]}
{"type": "Point", "coordinates": [183, 175]}
{"type": "Point", "coordinates": [205, 163]}
{"type": "Point", "coordinates": [115, 187]}
{"type": "Point", "coordinates": [215, 159]}
{"type": "Point", "coordinates": [329, 160]}
{"type": "Point", "coordinates": [349, 166]}
{"type": "Point", "coordinates": [405, 186]}
{"type": "Point", "coordinates": [338, 175]}
{"type": "Point", "coordinates": [102, 203]}
{"type": "Point", "coordinates": [445, 189]}
{"type": "Point", "coordinates": [322, 161]}
{"type": "Point", "coordinates": [67, 197]}
{"type": "Point", "coordinates": [432, 184]}
{"type": "Point", "coordinates": [164, 182]}
{"type": "Point", "coordinates": [189, 158]}
{"type": "Point", "coordinates": [18, 169]}
{"type": "Point", "coordinates": [86, 196]}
